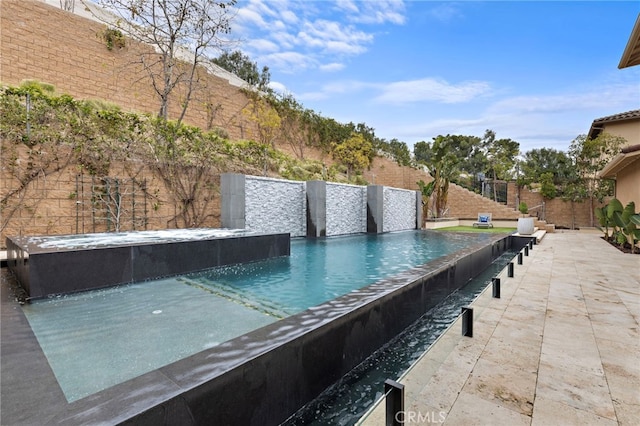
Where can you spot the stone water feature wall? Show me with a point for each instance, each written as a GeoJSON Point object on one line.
{"type": "Point", "coordinates": [315, 208]}
{"type": "Point", "coordinates": [400, 209]}
{"type": "Point", "coordinates": [346, 209]}
{"type": "Point", "coordinates": [275, 205]}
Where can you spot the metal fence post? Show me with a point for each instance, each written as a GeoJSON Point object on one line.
{"type": "Point", "coordinates": [496, 287]}
{"type": "Point", "coordinates": [467, 321]}
{"type": "Point", "coordinates": [510, 270]}
{"type": "Point", "coordinates": [394, 392]}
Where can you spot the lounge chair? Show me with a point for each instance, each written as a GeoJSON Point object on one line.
{"type": "Point", "coordinates": [484, 221]}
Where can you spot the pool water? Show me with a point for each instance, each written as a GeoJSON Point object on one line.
{"type": "Point", "coordinates": [320, 270]}
{"type": "Point", "coordinates": [97, 339]}
{"type": "Point", "coordinates": [349, 399]}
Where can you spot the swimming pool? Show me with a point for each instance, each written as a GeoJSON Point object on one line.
{"type": "Point", "coordinates": [260, 377]}
{"type": "Point", "coordinates": [91, 345]}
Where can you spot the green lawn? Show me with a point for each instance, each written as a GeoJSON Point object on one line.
{"type": "Point", "coordinates": [472, 229]}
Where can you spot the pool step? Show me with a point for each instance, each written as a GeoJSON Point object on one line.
{"type": "Point", "coordinates": [226, 292]}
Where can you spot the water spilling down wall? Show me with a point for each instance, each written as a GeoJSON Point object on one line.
{"type": "Point", "coordinates": [315, 208]}
{"type": "Point", "coordinates": [346, 209]}
{"type": "Point", "coordinates": [275, 205]}
{"type": "Point", "coordinates": [400, 209]}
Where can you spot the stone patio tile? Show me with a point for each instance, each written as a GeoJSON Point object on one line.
{"type": "Point", "coordinates": [506, 384]}
{"type": "Point", "coordinates": [573, 387]}
{"type": "Point", "coordinates": [470, 409]}
{"type": "Point", "coordinates": [525, 355]}
{"type": "Point", "coordinates": [548, 412]}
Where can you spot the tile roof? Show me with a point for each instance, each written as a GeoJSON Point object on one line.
{"type": "Point", "coordinates": [629, 115]}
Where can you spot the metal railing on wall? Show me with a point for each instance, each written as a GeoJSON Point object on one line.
{"type": "Point", "coordinates": [109, 204]}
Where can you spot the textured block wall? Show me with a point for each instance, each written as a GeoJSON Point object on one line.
{"type": "Point", "coordinates": [346, 209]}
{"type": "Point", "coordinates": [399, 209]}
{"type": "Point", "coordinates": [42, 42]}
{"type": "Point", "coordinates": [275, 205]}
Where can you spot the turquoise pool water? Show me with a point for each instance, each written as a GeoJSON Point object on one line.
{"type": "Point", "coordinates": [320, 270]}
{"type": "Point", "coordinates": [97, 339]}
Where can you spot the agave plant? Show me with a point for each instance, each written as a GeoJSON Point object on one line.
{"type": "Point", "coordinates": [627, 221]}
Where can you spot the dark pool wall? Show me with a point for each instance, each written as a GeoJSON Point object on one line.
{"type": "Point", "coordinates": [45, 272]}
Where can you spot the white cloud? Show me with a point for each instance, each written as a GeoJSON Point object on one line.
{"type": "Point", "coordinates": [331, 38]}
{"type": "Point", "coordinates": [264, 45]}
{"type": "Point", "coordinates": [431, 89]}
{"type": "Point", "coordinates": [445, 12]}
{"type": "Point", "coordinates": [289, 17]}
{"type": "Point", "coordinates": [278, 87]}
{"type": "Point", "coordinates": [347, 6]}
{"type": "Point", "coordinates": [247, 17]}
{"type": "Point", "coordinates": [311, 28]}
{"type": "Point", "coordinates": [597, 97]}
{"type": "Point", "coordinates": [373, 12]}
{"type": "Point", "coordinates": [334, 66]}
{"type": "Point", "coordinates": [288, 61]}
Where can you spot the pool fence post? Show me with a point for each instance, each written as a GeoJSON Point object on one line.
{"type": "Point", "coordinates": [526, 250]}
{"type": "Point", "coordinates": [496, 287]}
{"type": "Point", "coordinates": [520, 258]}
{"type": "Point", "coordinates": [531, 242]}
{"type": "Point", "coordinates": [510, 270]}
{"type": "Point", "coordinates": [394, 398]}
{"type": "Point", "coordinates": [467, 321]}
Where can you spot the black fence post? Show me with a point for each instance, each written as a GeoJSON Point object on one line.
{"type": "Point", "coordinates": [467, 321]}
{"type": "Point", "coordinates": [510, 270]}
{"type": "Point", "coordinates": [526, 250]}
{"type": "Point", "coordinates": [394, 392]}
{"type": "Point", "coordinates": [496, 287]}
{"type": "Point", "coordinates": [520, 258]}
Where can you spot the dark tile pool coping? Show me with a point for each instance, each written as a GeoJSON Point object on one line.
{"type": "Point", "coordinates": [46, 271]}
{"type": "Point", "coordinates": [259, 378]}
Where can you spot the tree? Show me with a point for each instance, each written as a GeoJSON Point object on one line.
{"type": "Point", "coordinates": [538, 162]}
{"type": "Point", "coordinates": [501, 155]}
{"type": "Point", "coordinates": [442, 168]}
{"type": "Point", "coordinates": [589, 156]}
{"type": "Point", "coordinates": [398, 151]}
{"type": "Point", "coordinates": [265, 117]}
{"type": "Point", "coordinates": [182, 34]}
{"type": "Point", "coordinates": [422, 152]}
{"type": "Point", "coordinates": [241, 65]}
{"type": "Point", "coordinates": [354, 152]}
{"type": "Point", "coordinates": [426, 189]}
{"type": "Point", "coordinates": [467, 149]}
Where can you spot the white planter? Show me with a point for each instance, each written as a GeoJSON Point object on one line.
{"type": "Point", "coordinates": [525, 226]}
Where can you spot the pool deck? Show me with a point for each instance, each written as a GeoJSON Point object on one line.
{"type": "Point", "coordinates": [561, 346]}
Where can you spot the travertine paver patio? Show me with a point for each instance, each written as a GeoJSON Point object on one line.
{"type": "Point", "coordinates": [560, 347]}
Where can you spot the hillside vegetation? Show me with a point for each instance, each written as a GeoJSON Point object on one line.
{"type": "Point", "coordinates": [44, 133]}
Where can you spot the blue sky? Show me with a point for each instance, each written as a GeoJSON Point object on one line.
{"type": "Point", "coordinates": [538, 72]}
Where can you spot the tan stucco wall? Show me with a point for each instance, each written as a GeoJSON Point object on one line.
{"type": "Point", "coordinates": [630, 130]}
{"type": "Point", "coordinates": [628, 179]}
{"type": "Point", "coordinates": [628, 184]}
